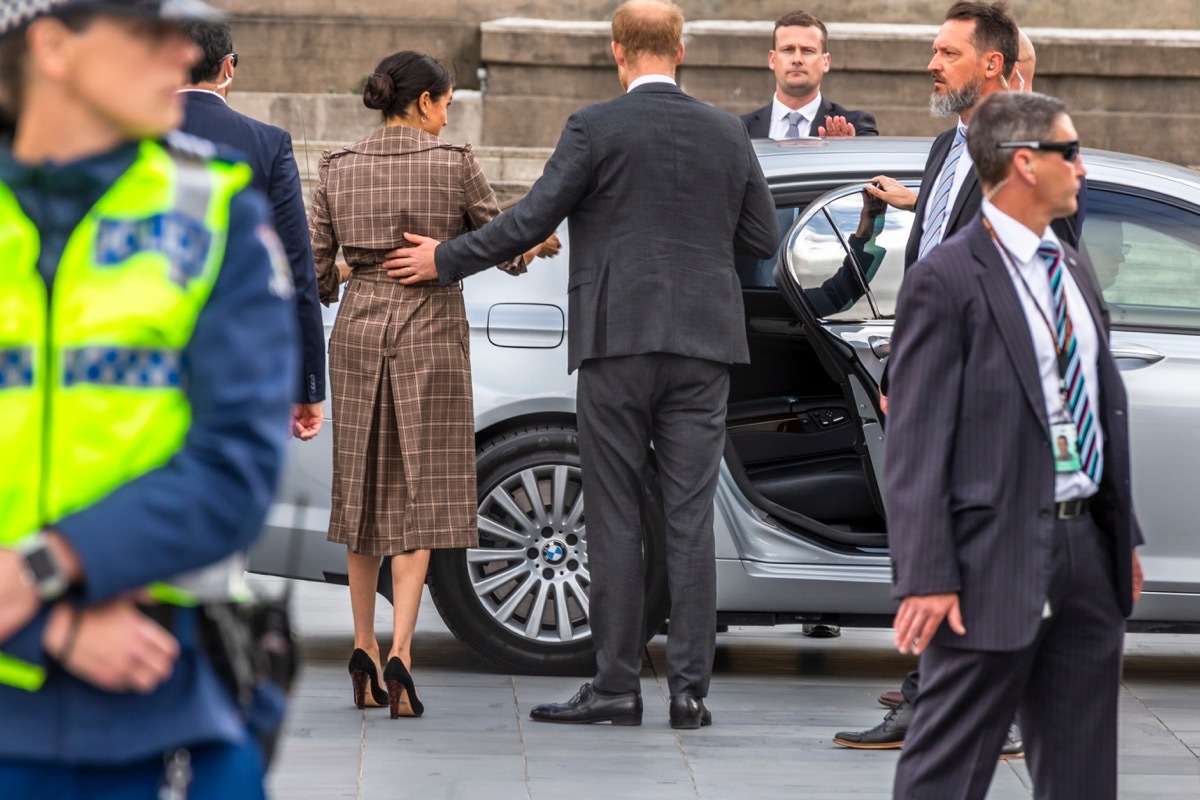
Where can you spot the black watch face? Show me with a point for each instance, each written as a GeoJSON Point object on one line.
{"type": "Point", "coordinates": [41, 563]}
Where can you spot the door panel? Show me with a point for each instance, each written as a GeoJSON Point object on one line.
{"type": "Point", "coordinates": [841, 272]}
{"type": "Point", "coordinates": [1146, 253]}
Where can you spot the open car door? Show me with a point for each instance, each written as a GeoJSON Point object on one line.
{"type": "Point", "coordinates": [840, 270]}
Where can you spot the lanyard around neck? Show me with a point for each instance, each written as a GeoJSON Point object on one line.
{"type": "Point", "coordinates": [1061, 355]}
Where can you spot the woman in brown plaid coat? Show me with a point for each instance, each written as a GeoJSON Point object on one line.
{"type": "Point", "coordinates": [403, 423]}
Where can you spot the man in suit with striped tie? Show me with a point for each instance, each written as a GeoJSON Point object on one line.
{"type": "Point", "coordinates": [1015, 569]}
{"type": "Point", "coordinates": [973, 57]}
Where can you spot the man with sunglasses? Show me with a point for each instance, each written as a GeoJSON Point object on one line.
{"type": "Point", "coordinates": [268, 150]}
{"type": "Point", "coordinates": [1015, 569]}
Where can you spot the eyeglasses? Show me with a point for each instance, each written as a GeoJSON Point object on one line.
{"type": "Point", "coordinates": [234, 57]}
{"type": "Point", "coordinates": [1069, 150]}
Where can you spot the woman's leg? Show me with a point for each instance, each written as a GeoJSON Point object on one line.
{"type": "Point", "coordinates": [408, 578]}
{"type": "Point", "coordinates": [364, 579]}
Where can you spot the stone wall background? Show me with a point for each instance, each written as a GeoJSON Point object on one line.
{"type": "Point", "coordinates": [1133, 90]}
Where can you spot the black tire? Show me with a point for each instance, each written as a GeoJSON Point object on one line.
{"type": "Point", "coordinates": [495, 620]}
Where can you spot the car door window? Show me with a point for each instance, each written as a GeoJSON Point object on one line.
{"type": "Point", "coordinates": [850, 243]}
{"type": "Point", "coordinates": [759, 273]}
{"type": "Point", "coordinates": [1146, 254]}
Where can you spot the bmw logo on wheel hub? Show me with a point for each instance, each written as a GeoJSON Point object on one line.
{"type": "Point", "coordinates": [553, 552]}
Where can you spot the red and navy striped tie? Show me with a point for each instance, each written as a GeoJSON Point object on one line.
{"type": "Point", "coordinates": [1090, 455]}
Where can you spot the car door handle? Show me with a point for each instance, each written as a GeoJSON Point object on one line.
{"type": "Point", "coordinates": [881, 346]}
{"type": "Point", "coordinates": [1137, 352]}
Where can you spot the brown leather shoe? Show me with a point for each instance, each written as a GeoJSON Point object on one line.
{"type": "Point", "coordinates": [891, 699]}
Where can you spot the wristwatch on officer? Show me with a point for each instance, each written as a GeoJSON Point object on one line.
{"type": "Point", "coordinates": [43, 571]}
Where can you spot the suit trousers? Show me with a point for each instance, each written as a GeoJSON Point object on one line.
{"type": "Point", "coordinates": [1065, 684]}
{"type": "Point", "coordinates": [624, 405]}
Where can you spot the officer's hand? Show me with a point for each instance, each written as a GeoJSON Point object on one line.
{"type": "Point", "coordinates": [116, 647]}
{"type": "Point", "coordinates": [18, 600]}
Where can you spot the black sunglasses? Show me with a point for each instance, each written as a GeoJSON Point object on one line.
{"type": "Point", "coordinates": [234, 57]}
{"type": "Point", "coordinates": [1069, 150]}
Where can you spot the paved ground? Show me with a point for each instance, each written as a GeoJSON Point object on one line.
{"type": "Point", "coordinates": [777, 698]}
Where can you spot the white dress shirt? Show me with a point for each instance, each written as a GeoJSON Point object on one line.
{"type": "Point", "coordinates": [779, 112]}
{"type": "Point", "coordinates": [961, 171]}
{"type": "Point", "coordinates": [206, 91]}
{"type": "Point", "coordinates": [643, 80]}
{"type": "Point", "coordinates": [1034, 291]}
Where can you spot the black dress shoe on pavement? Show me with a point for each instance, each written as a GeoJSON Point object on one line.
{"type": "Point", "coordinates": [591, 705]}
{"type": "Point", "coordinates": [1013, 746]}
{"type": "Point", "coordinates": [821, 630]}
{"type": "Point", "coordinates": [688, 712]}
{"type": "Point", "coordinates": [887, 735]}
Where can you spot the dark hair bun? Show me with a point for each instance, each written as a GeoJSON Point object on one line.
{"type": "Point", "coordinates": [380, 92]}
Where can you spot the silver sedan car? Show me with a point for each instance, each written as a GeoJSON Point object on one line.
{"type": "Point", "coordinates": [800, 523]}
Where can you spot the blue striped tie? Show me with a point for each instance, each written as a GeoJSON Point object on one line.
{"type": "Point", "coordinates": [793, 120]}
{"type": "Point", "coordinates": [1090, 455]}
{"type": "Point", "coordinates": [936, 211]}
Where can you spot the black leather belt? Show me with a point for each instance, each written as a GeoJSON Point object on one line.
{"type": "Point", "coordinates": [1070, 509]}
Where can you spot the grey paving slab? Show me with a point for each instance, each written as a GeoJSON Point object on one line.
{"type": "Point", "coordinates": [777, 699]}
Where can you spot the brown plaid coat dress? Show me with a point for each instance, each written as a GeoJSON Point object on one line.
{"type": "Point", "coordinates": [399, 359]}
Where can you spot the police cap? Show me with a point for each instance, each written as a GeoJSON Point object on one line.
{"type": "Point", "coordinates": [15, 14]}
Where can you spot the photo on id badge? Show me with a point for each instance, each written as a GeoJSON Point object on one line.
{"type": "Point", "coordinates": [1066, 448]}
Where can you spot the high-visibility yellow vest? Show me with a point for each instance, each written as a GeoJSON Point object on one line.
{"type": "Point", "coordinates": [91, 378]}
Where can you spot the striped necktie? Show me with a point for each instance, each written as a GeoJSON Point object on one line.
{"type": "Point", "coordinates": [936, 211]}
{"type": "Point", "coordinates": [793, 120]}
{"type": "Point", "coordinates": [1090, 456]}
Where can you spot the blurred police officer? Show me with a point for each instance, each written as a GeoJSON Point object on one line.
{"type": "Point", "coordinates": [144, 435]}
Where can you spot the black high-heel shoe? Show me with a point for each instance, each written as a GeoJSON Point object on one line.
{"type": "Point", "coordinates": [362, 669]}
{"type": "Point", "coordinates": [402, 694]}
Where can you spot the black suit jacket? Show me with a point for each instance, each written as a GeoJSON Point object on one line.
{"type": "Point", "coordinates": [969, 471]}
{"type": "Point", "coordinates": [268, 150]}
{"type": "Point", "coordinates": [659, 191]}
{"type": "Point", "coordinates": [969, 200]}
{"type": "Point", "coordinates": [758, 123]}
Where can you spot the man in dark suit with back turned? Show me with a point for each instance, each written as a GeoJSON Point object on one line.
{"type": "Point", "coordinates": [799, 58]}
{"type": "Point", "coordinates": [660, 191]}
{"type": "Point", "coordinates": [268, 150]}
{"type": "Point", "coordinates": [1015, 570]}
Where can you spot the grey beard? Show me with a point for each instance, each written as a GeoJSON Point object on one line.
{"type": "Point", "coordinates": [955, 101]}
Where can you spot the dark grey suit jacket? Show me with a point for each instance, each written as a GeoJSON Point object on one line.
{"type": "Point", "coordinates": [659, 191]}
{"type": "Point", "coordinates": [969, 471]}
{"type": "Point", "coordinates": [758, 123]}
{"type": "Point", "coordinates": [268, 150]}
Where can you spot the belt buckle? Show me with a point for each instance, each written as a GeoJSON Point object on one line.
{"type": "Point", "coordinates": [1070, 509]}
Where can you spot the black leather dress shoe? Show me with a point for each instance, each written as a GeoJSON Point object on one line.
{"type": "Point", "coordinates": [590, 705]}
{"type": "Point", "coordinates": [688, 712]}
{"type": "Point", "coordinates": [887, 735]}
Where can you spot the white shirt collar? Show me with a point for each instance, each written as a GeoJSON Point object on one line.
{"type": "Point", "coordinates": [808, 110]}
{"type": "Point", "coordinates": [1021, 242]}
{"type": "Point", "coordinates": [645, 79]}
{"type": "Point", "coordinates": [205, 91]}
